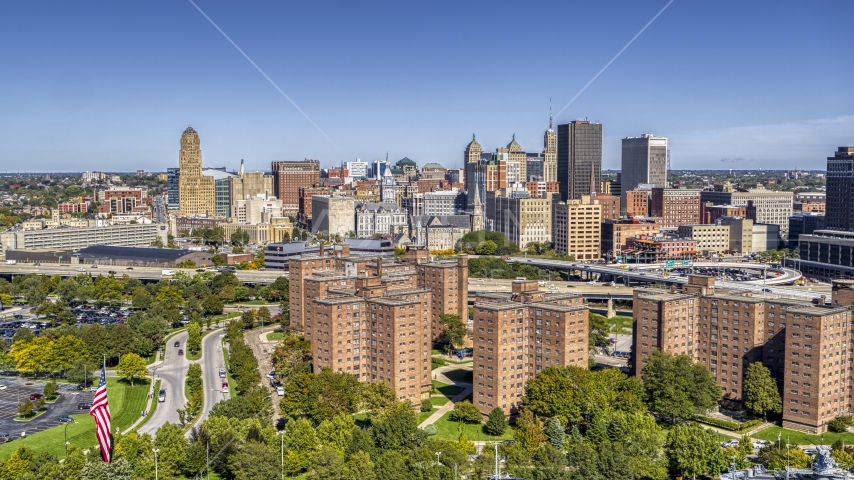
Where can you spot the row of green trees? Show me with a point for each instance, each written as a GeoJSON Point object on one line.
{"type": "Point", "coordinates": [105, 290]}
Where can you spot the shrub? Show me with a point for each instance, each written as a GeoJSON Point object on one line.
{"type": "Point", "coordinates": [840, 424]}
{"type": "Point", "coordinates": [438, 362]}
{"type": "Point", "coordinates": [465, 411]}
{"type": "Point", "coordinates": [426, 405]}
{"type": "Point", "coordinates": [728, 424]}
{"type": "Point", "coordinates": [431, 429]}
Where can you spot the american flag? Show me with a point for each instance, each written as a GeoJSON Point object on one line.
{"type": "Point", "coordinates": [101, 411]}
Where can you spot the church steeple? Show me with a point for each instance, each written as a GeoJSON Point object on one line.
{"type": "Point", "coordinates": [477, 211]}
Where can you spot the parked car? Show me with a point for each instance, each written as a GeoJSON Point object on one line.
{"type": "Point", "coordinates": [161, 397]}
{"type": "Point", "coordinates": [766, 290]}
{"type": "Point", "coordinates": [129, 268]}
{"type": "Point", "coordinates": [224, 387]}
{"type": "Point", "coordinates": [93, 388]}
{"type": "Point", "coordinates": [94, 266]}
{"type": "Point", "coordinates": [36, 396]}
{"type": "Point", "coordinates": [84, 406]}
{"type": "Point", "coordinates": [280, 391]}
{"type": "Point", "coordinates": [65, 419]}
{"type": "Point", "coordinates": [200, 269]}
{"type": "Point", "coordinates": [111, 272]}
{"type": "Point", "coordinates": [2, 387]}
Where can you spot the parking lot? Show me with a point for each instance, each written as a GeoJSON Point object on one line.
{"type": "Point", "coordinates": [19, 389]}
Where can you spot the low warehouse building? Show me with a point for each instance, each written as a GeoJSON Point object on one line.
{"type": "Point", "coordinates": [141, 256]}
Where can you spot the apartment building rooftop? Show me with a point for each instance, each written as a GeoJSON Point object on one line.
{"type": "Point", "coordinates": [816, 310]}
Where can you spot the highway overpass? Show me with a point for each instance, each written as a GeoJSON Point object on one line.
{"type": "Point", "coordinates": [255, 277]}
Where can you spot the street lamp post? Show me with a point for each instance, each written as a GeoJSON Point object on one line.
{"type": "Point", "coordinates": [282, 433]}
{"type": "Point", "coordinates": [156, 474]}
{"type": "Point", "coordinates": [66, 438]}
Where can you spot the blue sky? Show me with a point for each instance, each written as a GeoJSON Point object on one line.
{"type": "Point", "coordinates": [111, 85]}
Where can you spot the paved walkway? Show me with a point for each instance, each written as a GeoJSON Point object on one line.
{"type": "Point", "coordinates": [263, 350]}
{"type": "Point", "coordinates": [439, 375]}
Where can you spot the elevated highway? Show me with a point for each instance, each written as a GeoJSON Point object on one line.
{"type": "Point", "coordinates": [255, 277]}
{"type": "Point", "coordinates": [633, 274]}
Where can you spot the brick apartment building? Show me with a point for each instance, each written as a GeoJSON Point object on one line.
{"type": "Point", "coordinates": [288, 177]}
{"type": "Point", "coordinates": [615, 233]}
{"type": "Point", "coordinates": [710, 212]}
{"type": "Point", "coordinates": [518, 334]}
{"type": "Point", "coordinates": [447, 280]}
{"type": "Point", "coordinates": [609, 204]}
{"type": "Point", "coordinates": [675, 206]}
{"type": "Point", "coordinates": [374, 317]}
{"type": "Point", "coordinates": [637, 203]}
{"type": "Point", "coordinates": [804, 345]}
{"type": "Point", "coordinates": [304, 205]}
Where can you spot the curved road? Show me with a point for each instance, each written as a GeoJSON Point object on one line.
{"type": "Point", "coordinates": [172, 373]}
{"type": "Point", "coordinates": [212, 361]}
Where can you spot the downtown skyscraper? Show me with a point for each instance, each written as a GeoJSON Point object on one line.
{"type": "Point", "coordinates": [579, 158]}
{"type": "Point", "coordinates": [840, 190]}
{"type": "Point", "coordinates": [644, 162]}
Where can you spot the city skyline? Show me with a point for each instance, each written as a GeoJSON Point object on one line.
{"type": "Point", "coordinates": [376, 79]}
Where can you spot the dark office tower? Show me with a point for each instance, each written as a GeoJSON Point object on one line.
{"type": "Point", "coordinates": [644, 162]}
{"type": "Point", "coordinates": [840, 190]}
{"type": "Point", "coordinates": [579, 158]}
{"type": "Point", "coordinates": [172, 174]}
{"type": "Point", "coordinates": [289, 177]}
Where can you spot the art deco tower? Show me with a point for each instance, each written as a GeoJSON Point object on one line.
{"type": "Point", "coordinates": [550, 153]}
{"type": "Point", "coordinates": [195, 191]}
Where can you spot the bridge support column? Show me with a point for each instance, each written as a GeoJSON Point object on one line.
{"type": "Point", "coordinates": [611, 312]}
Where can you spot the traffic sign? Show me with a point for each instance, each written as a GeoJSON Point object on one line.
{"type": "Point", "coordinates": [686, 262]}
{"type": "Point", "coordinates": [669, 263]}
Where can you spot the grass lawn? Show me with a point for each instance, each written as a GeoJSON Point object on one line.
{"type": "Point", "coordinates": [424, 415]}
{"type": "Point", "coordinates": [151, 358]}
{"type": "Point", "coordinates": [795, 437]}
{"type": "Point", "coordinates": [436, 351]}
{"type": "Point", "coordinates": [153, 405]}
{"type": "Point", "coordinates": [621, 325]}
{"type": "Point", "coordinates": [224, 316]}
{"type": "Point", "coordinates": [439, 400]}
{"type": "Point", "coordinates": [446, 390]}
{"type": "Point", "coordinates": [125, 404]}
{"type": "Point", "coordinates": [194, 355]}
{"type": "Point", "coordinates": [461, 375]}
{"type": "Point", "coordinates": [33, 415]}
{"type": "Point", "coordinates": [277, 335]}
{"type": "Point", "coordinates": [473, 432]}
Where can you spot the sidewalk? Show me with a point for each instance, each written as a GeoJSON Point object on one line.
{"type": "Point", "coordinates": [439, 375]}
{"type": "Point", "coordinates": [151, 392]}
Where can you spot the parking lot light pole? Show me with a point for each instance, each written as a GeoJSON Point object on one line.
{"type": "Point", "coordinates": [156, 475]}
{"type": "Point", "coordinates": [66, 438]}
{"type": "Point", "coordinates": [282, 433]}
